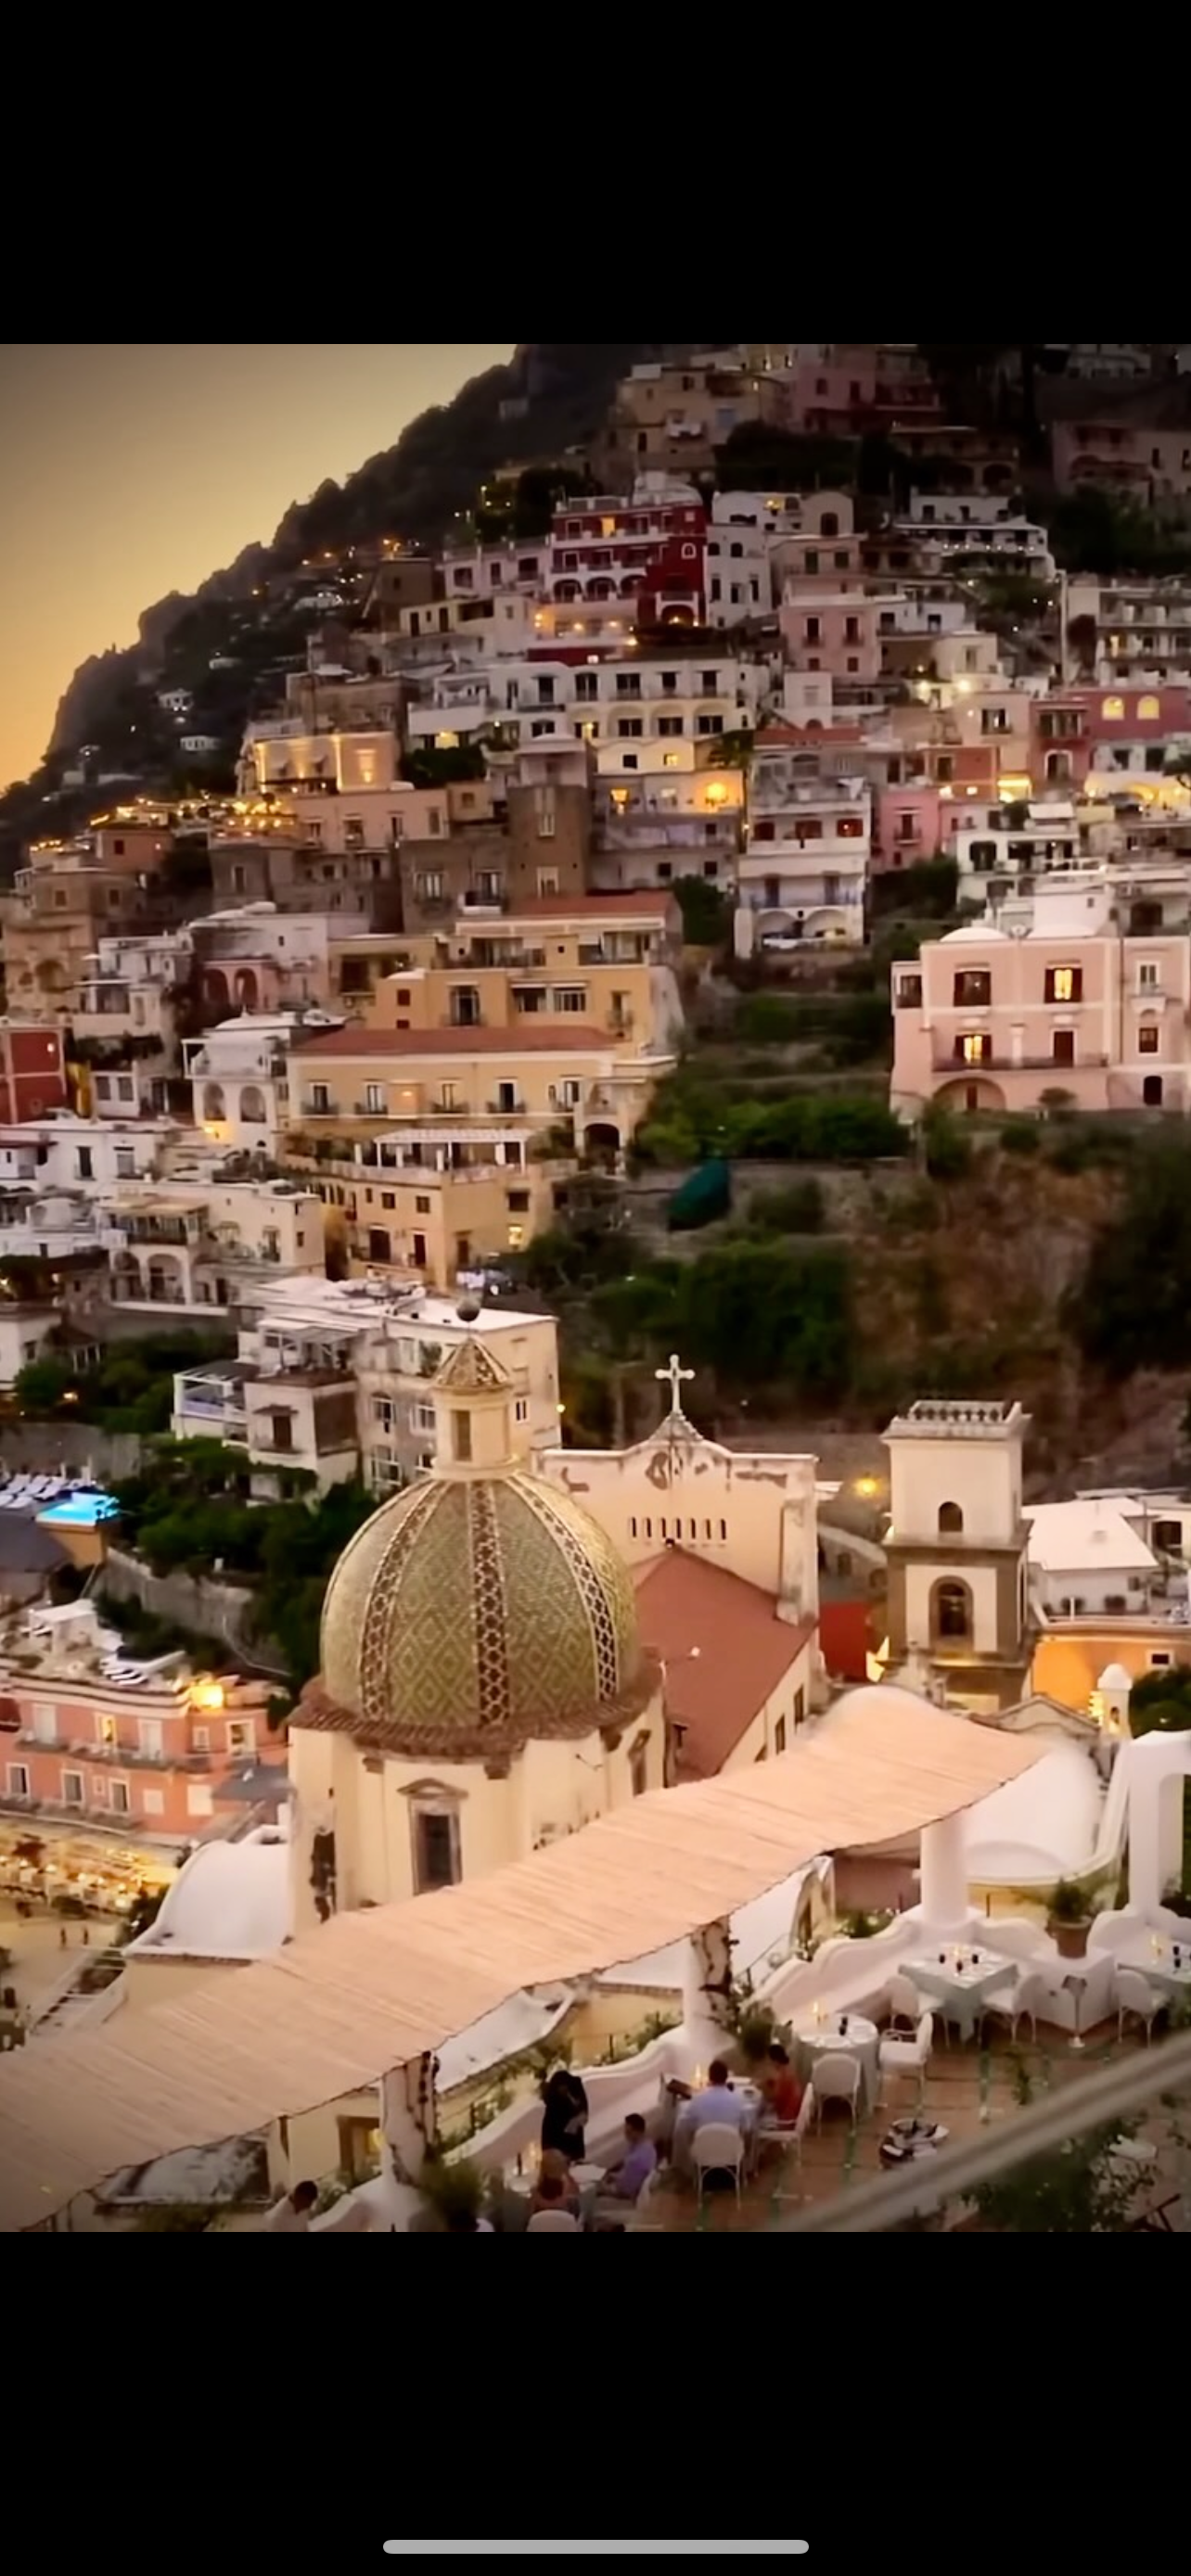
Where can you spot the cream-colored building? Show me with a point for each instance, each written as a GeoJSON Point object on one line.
{"type": "Point", "coordinates": [202, 1242]}
{"type": "Point", "coordinates": [956, 1550]}
{"type": "Point", "coordinates": [483, 1689]}
{"type": "Point", "coordinates": [504, 1050]}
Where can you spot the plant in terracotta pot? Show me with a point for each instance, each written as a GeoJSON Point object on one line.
{"type": "Point", "coordinates": [1068, 1919]}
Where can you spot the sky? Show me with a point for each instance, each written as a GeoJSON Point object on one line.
{"type": "Point", "coordinates": [129, 472]}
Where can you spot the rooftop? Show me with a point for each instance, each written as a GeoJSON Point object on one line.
{"type": "Point", "coordinates": [566, 1037]}
{"type": "Point", "coordinates": [231, 1901]}
{"type": "Point", "coordinates": [724, 1648]}
{"type": "Point", "coordinates": [1070, 1538]}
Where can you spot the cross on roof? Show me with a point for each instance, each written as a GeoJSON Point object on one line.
{"type": "Point", "coordinates": [676, 1377]}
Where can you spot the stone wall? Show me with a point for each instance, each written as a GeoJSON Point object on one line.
{"type": "Point", "coordinates": [207, 1609]}
{"type": "Point", "coordinates": [68, 1448]}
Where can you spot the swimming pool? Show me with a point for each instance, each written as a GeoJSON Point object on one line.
{"type": "Point", "coordinates": [79, 1511]}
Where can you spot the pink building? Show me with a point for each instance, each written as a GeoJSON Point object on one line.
{"type": "Point", "coordinates": [846, 387]}
{"type": "Point", "coordinates": [909, 826]}
{"type": "Point", "coordinates": [993, 1018]}
{"type": "Point", "coordinates": [1117, 727]}
{"type": "Point", "coordinates": [149, 1760]}
{"type": "Point", "coordinates": [830, 630]}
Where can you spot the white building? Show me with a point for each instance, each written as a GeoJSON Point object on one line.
{"type": "Point", "coordinates": [804, 868]}
{"type": "Point", "coordinates": [1084, 1557]}
{"type": "Point", "coordinates": [301, 1338]}
{"type": "Point", "coordinates": [238, 1076]}
{"type": "Point", "coordinates": [203, 1242]}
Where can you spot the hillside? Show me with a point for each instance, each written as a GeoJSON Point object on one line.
{"type": "Point", "coordinates": [551, 396]}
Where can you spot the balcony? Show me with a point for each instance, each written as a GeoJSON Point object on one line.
{"type": "Point", "coordinates": [943, 1063]}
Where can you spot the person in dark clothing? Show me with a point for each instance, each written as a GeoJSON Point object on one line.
{"type": "Point", "coordinates": [564, 2114]}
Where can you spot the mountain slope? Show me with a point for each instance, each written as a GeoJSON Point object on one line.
{"type": "Point", "coordinates": [552, 395]}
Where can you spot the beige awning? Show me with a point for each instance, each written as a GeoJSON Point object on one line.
{"type": "Point", "coordinates": [340, 2006]}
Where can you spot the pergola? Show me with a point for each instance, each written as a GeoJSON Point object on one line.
{"type": "Point", "coordinates": [372, 1995]}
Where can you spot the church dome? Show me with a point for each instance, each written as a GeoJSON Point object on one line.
{"type": "Point", "coordinates": [472, 1613]}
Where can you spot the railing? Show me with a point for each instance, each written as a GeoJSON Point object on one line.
{"type": "Point", "coordinates": [948, 1063]}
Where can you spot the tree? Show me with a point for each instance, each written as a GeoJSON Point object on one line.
{"type": "Point", "coordinates": [1131, 1307]}
{"type": "Point", "coordinates": [1081, 2190]}
{"type": "Point", "coordinates": [706, 913]}
{"type": "Point", "coordinates": [1161, 1702]}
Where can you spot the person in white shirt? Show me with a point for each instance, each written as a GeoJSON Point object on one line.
{"type": "Point", "coordinates": [292, 2215]}
{"type": "Point", "coordinates": [716, 2102]}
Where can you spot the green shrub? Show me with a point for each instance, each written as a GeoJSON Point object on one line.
{"type": "Point", "coordinates": [798, 1209]}
{"type": "Point", "coordinates": [1020, 1136]}
{"type": "Point", "coordinates": [947, 1151]}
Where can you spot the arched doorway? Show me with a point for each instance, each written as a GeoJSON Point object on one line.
{"type": "Point", "coordinates": [246, 988]}
{"type": "Point", "coordinates": [215, 992]}
{"type": "Point", "coordinates": [214, 1105]}
{"type": "Point", "coordinates": [951, 1520]}
{"type": "Point", "coordinates": [601, 1142]}
{"type": "Point", "coordinates": [950, 1613]}
{"type": "Point", "coordinates": [253, 1112]}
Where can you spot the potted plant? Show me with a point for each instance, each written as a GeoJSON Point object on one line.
{"type": "Point", "coordinates": [1068, 1918]}
{"type": "Point", "coordinates": [755, 2034]}
{"type": "Point", "coordinates": [452, 2191]}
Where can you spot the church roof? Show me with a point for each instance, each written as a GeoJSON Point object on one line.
{"type": "Point", "coordinates": [473, 1613]}
{"type": "Point", "coordinates": [472, 1369]}
{"type": "Point", "coordinates": [745, 1652]}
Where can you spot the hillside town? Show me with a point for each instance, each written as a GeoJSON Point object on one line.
{"type": "Point", "coordinates": [593, 1196]}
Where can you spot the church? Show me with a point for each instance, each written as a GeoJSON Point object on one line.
{"type": "Point", "coordinates": [509, 1652]}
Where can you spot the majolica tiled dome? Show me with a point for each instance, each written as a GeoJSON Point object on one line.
{"type": "Point", "coordinates": [472, 1613]}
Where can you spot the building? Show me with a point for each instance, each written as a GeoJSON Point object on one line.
{"type": "Point", "coordinates": [334, 1376]}
{"type": "Point", "coordinates": [484, 1689]}
{"type": "Point", "coordinates": [956, 1551]}
{"type": "Point", "coordinates": [238, 1074]}
{"type": "Point", "coordinates": [1066, 1000]}
{"type": "Point", "coordinates": [804, 868]}
{"type": "Point", "coordinates": [203, 1242]}
{"type": "Point", "coordinates": [671, 419]}
{"type": "Point", "coordinates": [831, 629]}
{"type": "Point", "coordinates": [112, 1753]}
{"type": "Point", "coordinates": [32, 1071]}
{"type": "Point", "coordinates": [443, 1124]}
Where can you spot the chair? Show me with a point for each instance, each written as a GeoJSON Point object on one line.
{"type": "Point", "coordinates": [788, 2133]}
{"type": "Point", "coordinates": [718, 2148]}
{"type": "Point", "coordinates": [1023, 2002]}
{"type": "Point", "coordinates": [835, 2079]}
{"type": "Point", "coordinates": [908, 2056]}
{"type": "Point", "coordinates": [1135, 1994]}
{"type": "Point", "coordinates": [903, 2001]}
{"type": "Point", "coordinates": [553, 2222]}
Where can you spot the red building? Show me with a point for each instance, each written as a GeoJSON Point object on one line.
{"type": "Point", "coordinates": [32, 1071]}
{"type": "Point", "coordinates": [1115, 727]}
{"type": "Point", "coordinates": [634, 551]}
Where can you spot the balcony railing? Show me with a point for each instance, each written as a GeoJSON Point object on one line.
{"type": "Point", "coordinates": [944, 1063]}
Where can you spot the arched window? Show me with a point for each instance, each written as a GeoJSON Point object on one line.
{"type": "Point", "coordinates": [1112, 710]}
{"type": "Point", "coordinates": [214, 1106]}
{"type": "Point", "coordinates": [951, 1519]}
{"type": "Point", "coordinates": [951, 1611]}
{"type": "Point", "coordinates": [1149, 709]}
{"type": "Point", "coordinates": [829, 524]}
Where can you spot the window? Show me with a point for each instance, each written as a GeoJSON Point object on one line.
{"type": "Point", "coordinates": [951, 1520]}
{"type": "Point", "coordinates": [121, 1802]}
{"type": "Point", "coordinates": [799, 1706]}
{"type": "Point", "coordinates": [1149, 709]}
{"type": "Point", "coordinates": [461, 1439]}
{"type": "Point", "coordinates": [521, 1409]}
{"type": "Point", "coordinates": [436, 1853]}
{"type": "Point", "coordinates": [149, 1735]}
{"type": "Point", "coordinates": [973, 1046]}
{"type": "Point", "coordinates": [1147, 1038]}
{"type": "Point", "coordinates": [153, 1802]}
{"type": "Point", "coordinates": [1147, 975]}
{"type": "Point", "coordinates": [907, 993]}
{"type": "Point", "coordinates": [779, 1736]}
{"type": "Point", "coordinates": [18, 1780]}
{"type": "Point", "coordinates": [201, 1739]}
{"type": "Point", "coordinates": [374, 1099]}
{"type": "Point", "coordinates": [570, 997]}
{"type": "Point", "coordinates": [972, 990]}
{"type": "Point", "coordinates": [639, 1766]}
{"type": "Point", "coordinates": [951, 1605]}
{"type": "Point", "coordinates": [1112, 710]}
{"type": "Point", "coordinates": [72, 1788]}
{"type": "Point", "coordinates": [1064, 984]}
{"type": "Point", "coordinates": [518, 1202]}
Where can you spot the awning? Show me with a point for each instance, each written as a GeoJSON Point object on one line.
{"type": "Point", "coordinates": [339, 2007]}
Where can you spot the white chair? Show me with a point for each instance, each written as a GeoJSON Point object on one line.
{"type": "Point", "coordinates": [788, 2133]}
{"type": "Point", "coordinates": [836, 2079]}
{"type": "Point", "coordinates": [903, 2001]}
{"type": "Point", "coordinates": [1023, 2002]}
{"type": "Point", "coordinates": [717, 2148]}
{"type": "Point", "coordinates": [553, 2222]}
{"type": "Point", "coordinates": [908, 2056]}
{"type": "Point", "coordinates": [1135, 1994]}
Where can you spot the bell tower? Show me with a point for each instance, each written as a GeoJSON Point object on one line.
{"type": "Point", "coordinates": [473, 1408]}
{"type": "Point", "coordinates": [956, 1550]}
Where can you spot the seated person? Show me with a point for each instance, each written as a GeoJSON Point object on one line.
{"type": "Point", "coordinates": [627, 2176]}
{"type": "Point", "coordinates": [782, 2090]}
{"type": "Point", "coordinates": [555, 2167]}
{"type": "Point", "coordinates": [551, 2196]}
{"type": "Point", "coordinates": [716, 2103]}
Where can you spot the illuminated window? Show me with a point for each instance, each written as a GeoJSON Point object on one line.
{"type": "Point", "coordinates": [1112, 710]}
{"type": "Point", "coordinates": [974, 1048]}
{"type": "Point", "coordinates": [1064, 983]}
{"type": "Point", "coordinates": [1148, 709]}
{"type": "Point", "coordinates": [670, 760]}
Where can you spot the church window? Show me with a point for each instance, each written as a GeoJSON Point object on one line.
{"type": "Point", "coordinates": [633, 1526]}
{"type": "Point", "coordinates": [437, 1860]}
{"type": "Point", "coordinates": [951, 1604]}
{"type": "Point", "coordinates": [461, 1438]}
{"type": "Point", "coordinates": [707, 1529]}
{"type": "Point", "coordinates": [723, 1530]}
{"type": "Point", "coordinates": [779, 1736]}
{"type": "Point", "coordinates": [951, 1519]}
{"type": "Point", "coordinates": [649, 1529]}
{"type": "Point", "coordinates": [639, 1766]}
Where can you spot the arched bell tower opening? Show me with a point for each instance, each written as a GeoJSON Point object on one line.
{"type": "Point", "coordinates": [956, 1554]}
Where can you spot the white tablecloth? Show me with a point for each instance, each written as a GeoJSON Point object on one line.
{"type": "Point", "coordinates": [960, 1987]}
{"type": "Point", "coordinates": [861, 2040]}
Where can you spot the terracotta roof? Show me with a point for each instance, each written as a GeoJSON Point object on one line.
{"type": "Point", "coordinates": [372, 1990]}
{"type": "Point", "coordinates": [568, 1036]}
{"type": "Point", "coordinates": [745, 1651]}
{"type": "Point", "coordinates": [592, 907]}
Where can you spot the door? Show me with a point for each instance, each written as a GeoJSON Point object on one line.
{"type": "Point", "coordinates": [1063, 1046]}
{"type": "Point", "coordinates": [378, 1243]}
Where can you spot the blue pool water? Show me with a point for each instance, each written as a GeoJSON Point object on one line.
{"type": "Point", "coordinates": [79, 1511]}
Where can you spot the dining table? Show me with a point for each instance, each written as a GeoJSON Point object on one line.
{"type": "Point", "coordinates": [842, 2034]}
{"type": "Point", "coordinates": [1170, 1975]}
{"type": "Point", "coordinates": [959, 1981]}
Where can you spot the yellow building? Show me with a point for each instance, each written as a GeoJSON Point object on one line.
{"type": "Point", "coordinates": [501, 1052]}
{"type": "Point", "coordinates": [483, 1690]}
